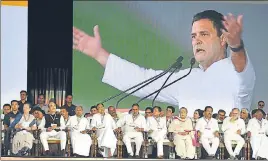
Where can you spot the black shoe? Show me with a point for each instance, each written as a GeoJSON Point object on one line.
{"type": "Point", "coordinates": [62, 153]}
{"type": "Point", "coordinates": [137, 157]}
{"type": "Point", "coordinates": [47, 153]}
{"type": "Point", "coordinates": [130, 156]}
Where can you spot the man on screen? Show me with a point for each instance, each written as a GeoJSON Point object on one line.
{"type": "Point", "coordinates": [220, 81]}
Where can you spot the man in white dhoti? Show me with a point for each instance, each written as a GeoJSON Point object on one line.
{"type": "Point", "coordinates": [104, 126]}
{"type": "Point", "coordinates": [182, 129]}
{"type": "Point", "coordinates": [208, 132]}
{"type": "Point", "coordinates": [257, 130]}
{"type": "Point", "coordinates": [53, 126]}
{"type": "Point", "coordinates": [134, 124]}
{"type": "Point", "coordinates": [220, 81]}
{"type": "Point", "coordinates": [233, 127]}
{"type": "Point", "coordinates": [79, 126]}
{"type": "Point", "coordinates": [23, 137]}
{"type": "Point", "coordinates": [157, 129]}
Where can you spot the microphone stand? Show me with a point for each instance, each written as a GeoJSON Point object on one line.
{"type": "Point", "coordinates": [192, 64]}
{"type": "Point", "coordinates": [178, 67]}
{"type": "Point", "coordinates": [148, 80]}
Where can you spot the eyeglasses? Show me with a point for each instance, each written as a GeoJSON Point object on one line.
{"type": "Point", "coordinates": [148, 112]}
{"type": "Point", "coordinates": [261, 105]}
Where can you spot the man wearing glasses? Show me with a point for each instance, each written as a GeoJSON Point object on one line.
{"type": "Point", "coordinates": [148, 112]}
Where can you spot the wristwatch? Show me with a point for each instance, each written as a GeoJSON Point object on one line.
{"type": "Point", "coordinates": [238, 48]}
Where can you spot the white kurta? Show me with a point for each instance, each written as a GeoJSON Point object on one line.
{"type": "Point", "coordinates": [23, 138]}
{"type": "Point", "coordinates": [207, 129]}
{"type": "Point", "coordinates": [159, 131]}
{"type": "Point", "coordinates": [220, 86]}
{"type": "Point", "coordinates": [129, 124]}
{"type": "Point", "coordinates": [105, 132]}
{"type": "Point", "coordinates": [258, 140]}
{"type": "Point", "coordinates": [78, 125]}
{"type": "Point", "coordinates": [230, 134]}
{"type": "Point", "coordinates": [184, 143]}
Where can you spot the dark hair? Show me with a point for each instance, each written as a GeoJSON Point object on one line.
{"type": "Point", "coordinates": [172, 108]}
{"type": "Point", "coordinates": [261, 102]}
{"type": "Point", "coordinates": [207, 107]}
{"type": "Point", "coordinates": [215, 17]}
{"type": "Point", "coordinates": [7, 105]}
{"type": "Point", "coordinates": [184, 108]}
{"type": "Point", "coordinates": [14, 101]}
{"type": "Point", "coordinates": [135, 104]}
{"type": "Point", "coordinates": [93, 107]}
{"type": "Point", "coordinates": [159, 108]}
{"type": "Point", "coordinates": [149, 108]}
{"type": "Point", "coordinates": [40, 94]}
{"type": "Point", "coordinates": [254, 111]}
{"type": "Point", "coordinates": [23, 91]}
{"type": "Point", "coordinates": [214, 115]}
{"type": "Point", "coordinates": [63, 107]}
{"type": "Point", "coordinates": [110, 107]}
{"type": "Point", "coordinates": [200, 112]}
{"type": "Point", "coordinates": [68, 95]}
{"type": "Point", "coordinates": [220, 111]}
{"type": "Point", "coordinates": [130, 111]}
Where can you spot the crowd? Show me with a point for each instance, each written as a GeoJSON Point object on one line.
{"type": "Point", "coordinates": [206, 127]}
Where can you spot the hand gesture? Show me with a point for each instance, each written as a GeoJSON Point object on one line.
{"type": "Point", "coordinates": [234, 30]}
{"type": "Point", "coordinates": [89, 45]}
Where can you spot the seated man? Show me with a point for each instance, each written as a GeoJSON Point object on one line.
{"type": "Point", "coordinates": [134, 124]}
{"type": "Point", "coordinates": [10, 120]}
{"type": "Point", "coordinates": [157, 129]}
{"type": "Point", "coordinates": [183, 135]}
{"type": "Point", "coordinates": [257, 131]}
{"type": "Point", "coordinates": [104, 126]}
{"type": "Point", "coordinates": [52, 127]}
{"type": "Point", "coordinates": [208, 131]}
{"type": "Point", "coordinates": [233, 127]}
{"type": "Point", "coordinates": [79, 127]}
{"type": "Point", "coordinates": [23, 137]}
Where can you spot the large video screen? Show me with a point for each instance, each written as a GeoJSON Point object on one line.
{"type": "Point", "coordinates": [153, 35]}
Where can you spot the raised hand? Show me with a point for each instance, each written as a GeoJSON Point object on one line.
{"type": "Point", "coordinates": [89, 45]}
{"type": "Point", "coordinates": [234, 28]}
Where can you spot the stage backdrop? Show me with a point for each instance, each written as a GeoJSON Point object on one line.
{"type": "Point", "coordinates": [153, 35]}
{"type": "Point", "coordinates": [14, 27]}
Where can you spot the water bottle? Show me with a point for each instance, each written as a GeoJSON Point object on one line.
{"type": "Point", "coordinates": [146, 155]}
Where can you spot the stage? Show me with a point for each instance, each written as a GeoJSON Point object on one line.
{"type": "Point", "coordinates": [73, 158]}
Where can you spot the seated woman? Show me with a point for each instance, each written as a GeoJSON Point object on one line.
{"type": "Point", "coordinates": [24, 137]}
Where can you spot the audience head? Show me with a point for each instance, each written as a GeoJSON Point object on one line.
{"type": "Point", "coordinates": [112, 110]}
{"type": "Point", "coordinates": [221, 115]}
{"type": "Point", "coordinates": [244, 114]}
{"type": "Point", "coordinates": [170, 111]}
{"type": "Point", "coordinates": [156, 111]}
{"type": "Point", "coordinates": [93, 110]}
{"type": "Point", "coordinates": [26, 108]}
{"type": "Point", "coordinates": [52, 107]}
{"type": "Point", "coordinates": [235, 113]}
{"type": "Point", "coordinates": [23, 95]}
{"type": "Point", "coordinates": [79, 111]}
{"type": "Point", "coordinates": [135, 109]}
{"type": "Point", "coordinates": [14, 105]}
{"type": "Point", "coordinates": [41, 99]}
{"type": "Point", "coordinates": [148, 112]}
{"type": "Point", "coordinates": [69, 99]}
{"type": "Point", "coordinates": [64, 112]}
{"type": "Point", "coordinates": [261, 104]}
{"type": "Point", "coordinates": [6, 109]}
{"type": "Point", "coordinates": [208, 112]}
{"type": "Point", "coordinates": [183, 112]}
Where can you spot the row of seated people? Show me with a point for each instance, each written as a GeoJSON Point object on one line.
{"type": "Point", "coordinates": [186, 134]}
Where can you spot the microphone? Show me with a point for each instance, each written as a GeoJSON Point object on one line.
{"type": "Point", "coordinates": [150, 79]}
{"type": "Point", "coordinates": [192, 64]}
{"type": "Point", "coordinates": [175, 65]}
